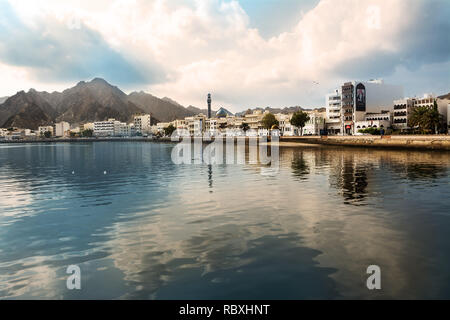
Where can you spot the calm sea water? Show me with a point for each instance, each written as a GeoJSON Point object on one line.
{"type": "Point", "coordinates": [141, 227]}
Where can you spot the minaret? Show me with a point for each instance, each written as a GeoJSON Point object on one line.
{"type": "Point", "coordinates": [209, 105]}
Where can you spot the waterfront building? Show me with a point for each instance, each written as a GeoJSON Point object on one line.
{"type": "Point", "coordinates": [179, 124]}
{"type": "Point", "coordinates": [285, 126]}
{"type": "Point", "coordinates": [42, 130]}
{"type": "Point", "coordinates": [428, 101]}
{"type": "Point", "coordinates": [196, 124]}
{"type": "Point", "coordinates": [4, 132]}
{"type": "Point", "coordinates": [362, 97]}
{"type": "Point", "coordinates": [380, 120]}
{"type": "Point", "coordinates": [403, 109]}
{"type": "Point", "coordinates": [62, 129]}
{"type": "Point", "coordinates": [104, 128]}
{"type": "Point", "coordinates": [142, 123]}
{"type": "Point", "coordinates": [315, 124]}
{"type": "Point", "coordinates": [212, 126]}
{"type": "Point", "coordinates": [161, 126]}
{"type": "Point", "coordinates": [254, 119]}
{"type": "Point", "coordinates": [122, 129]}
{"type": "Point", "coordinates": [385, 115]}
{"type": "Point", "coordinates": [448, 117]}
{"type": "Point", "coordinates": [87, 126]}
{"type": "Point", "coordinates": [402, 112]}
{"type": "Point", "coordinates": [333, 113]}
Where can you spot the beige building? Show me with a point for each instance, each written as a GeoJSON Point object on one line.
{"type": "Point", "coordinates": [315, 124]}
{"type": "Point", "coordinates": [42, 130]}
{"type": "Point", "coordinates": [62, 129]}
{"type": "Point", "coordinates": [142, 124]}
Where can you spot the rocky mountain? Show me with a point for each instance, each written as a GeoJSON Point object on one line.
{"type": "Point", "coordinates": [3, 99]}
{"type": "Point", "coordinates": [95, 100]}
{"type": "Point", "coordinates": [162, 109]}
{"type": "Point", "coordinates": [196, 110]}
{"type": "Point", "coordinates": [26, 110]}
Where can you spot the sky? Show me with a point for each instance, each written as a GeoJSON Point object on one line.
{"type": "Point", "coordinates": [249, 53]}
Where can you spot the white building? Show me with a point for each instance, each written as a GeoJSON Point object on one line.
{"type": "Point", "coordinates": [448, 118]}
{"type": "Point", "coordinates": [87, 126]}
{"type": "Point", "coordinates": [62, 129]}
{"type": "Point", "coordinates": [4, 132]}
{"type": "Point", "coordinates": [142, 124]}
{"type": "Point", "coordinates": [402, 112]}
{"type": "Point", "coordinates": [104, 128]}
{"type": "Point", "coordinates": [42, 130]}
{"type": "Point", "coordinates": [315, 124]}
{"type": "Point", "coordinates": [122, 129]}
{"type": "Point", "coordinates": [361, 97]}
{"type": "Point", "coordinates": [285, 126]}
{"type": "Point", "coordinates": [333, 113]}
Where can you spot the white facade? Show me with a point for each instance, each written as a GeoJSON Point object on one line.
{"type": "Point", "coordinates": [62, 129]}
{"type": "Point", "coordinates": [362, 97]}
{"type": "Point", "coordinates": [142, 124]}
{"type": "Point", "coordinates": [285, 126]}
{"type": "Point", "coordinates": [402, 112]}
{"type": "Point", "coordinates": [379, 124]}
{"type": "Point", "coordinates": [315, 124]}
{"type": "Point", "coordinates": [104, 128]}
{"type": "Point", "coordinates": [44, 129]}
{"type": "Point", "coordinates": [333, 112]}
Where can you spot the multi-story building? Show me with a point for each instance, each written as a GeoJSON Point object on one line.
{"type": "Point", "coordinates": [62, 129]}
{"type": "Point", "coordinates": [122, 129]}
{"type": "Point", "coordinates": [196, 124]}
{"type": "Point", "coordinates": [315, 124]}
{"type": "Point", "coordinates": [404, 108]}
{"type": "Point", "coordinates": [142, 123]}
{"type": "Point", "coordinates": [104, 128]}
{"type": "Point", "coordinates": [254, 119]}
{"type": "Point", "coordinates": [347, 106]}
{"type": "Point", "coordinates": [402, 113]}
{"type": "Point", "coordinates": [380, 120]}
{"type": "Point", "coordinates": [360, 98]}
{"type": "Point", "coordinates": [333, 113]}
{"type": "Point", "coordinates": [285, 126]}
{"type": "Point", "coordinates": [87, 126]}
{"type": "Point", "coordinates": [42, 130]}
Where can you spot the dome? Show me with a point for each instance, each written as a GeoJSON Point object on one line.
{"type": "Point", "coordinates": [222, 113]}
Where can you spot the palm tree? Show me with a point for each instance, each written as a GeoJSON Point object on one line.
{"type": "Point", "coordinates": [419, 118]}
{"type": "Point", "coordinates": [435, 117]}
{"type": "Point", "coordinates": [426, 118]}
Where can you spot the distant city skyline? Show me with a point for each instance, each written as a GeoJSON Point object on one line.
{"type": "Point", "coordinates": [246, 53]}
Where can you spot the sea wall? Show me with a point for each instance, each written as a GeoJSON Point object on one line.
{"type": "Point", "coordinates": [428, 142]}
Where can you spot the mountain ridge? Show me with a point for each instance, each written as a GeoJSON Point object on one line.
{"type": "Point", "coordinates": [95, 100]}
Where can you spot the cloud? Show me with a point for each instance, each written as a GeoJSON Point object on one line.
{"type": "Point", "coordinates": [56, 51]}
{"type": "Point", "coordinates": [185, 49]}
